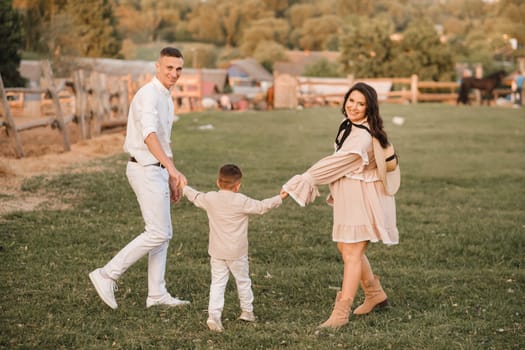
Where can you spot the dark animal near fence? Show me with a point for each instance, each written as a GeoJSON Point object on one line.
{"type": "Point", "coordinates": [485, 85]}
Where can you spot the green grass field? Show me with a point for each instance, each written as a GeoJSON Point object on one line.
{"type": "Point", "coordinates": [455, 281]}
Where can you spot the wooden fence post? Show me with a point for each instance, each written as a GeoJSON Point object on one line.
{"type": "Point", "coordinates": [351, 79]}
{"type": "Point", "coordinates": [413, 88]}
{"type": "Point", "coordinates": [124, 98]}
{"type": "Point", "coordinates": [11, 127]}
{"type": "Point", "coordinates": [48, 75]}
{"type": "Point", "coordinates": [80, 104]}
{"type": "Point", "coordinates": [478, 73]}
{"type": "Point", "coordinates": [96, 108]}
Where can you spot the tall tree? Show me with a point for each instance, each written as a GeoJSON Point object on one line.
{"type": "Point", "coordinates": [236, 16]}
{"type": "Point", "coordinates": [355, 7]}
{"type": "Point", "coordinates": [95, 28]}
{"type": "Point", "coordinates": [421, 52]}
{"type": "Point", "coordinates": [366, 48]}
{"type": "Point", "coordinates": [144, 20]}
{"type": "Point", "coordinates": [205, 24]}
{"type": "Point", "coordinates": [226, 19]}
{"type": "Point", "coordinates": [299, 13]}
{"type": "Point", "coordinates": [266, 29]}
{"type": "Point", "coordinates": [269, 52]}
{"type": "Point", "coordinates": [368, 51]}
{"type": "Point", "coordinates": [316, 33]}
{"type": "Point", "coordinates": [11, 44]}
{"type": "Point", "coordinates": [43, 24]}
{"type": "Point", "coordinates": [512, 14]}
{"type": "Point", "coordinates": [277, 6]}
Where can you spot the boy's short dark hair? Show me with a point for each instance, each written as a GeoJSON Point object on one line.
{"type": "Point", "coordinates": [171, 52]}
{"type": "Point", "coordinates": [229, 176]}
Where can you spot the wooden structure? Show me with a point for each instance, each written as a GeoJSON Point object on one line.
{"type": "Point", "coordinates": [291, 91]}
{"type": "Point", "coordinates": [9, 122]}
{"type": "Point", "coordinates": [58, 120]}
{"type": "Point", "coordinates": [285, 91]}
{"type": "Point", "coordinates": [187, 93]}
{"type": "Point", "coordinates": [95, 101]}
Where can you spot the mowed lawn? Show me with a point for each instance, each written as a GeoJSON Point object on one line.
{"type": "Point", "coordinates": [455, 281]}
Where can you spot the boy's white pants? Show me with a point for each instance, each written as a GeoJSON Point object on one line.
{"type": "Point", "coordinates": [220, 272]}
{"type": "Point", "coordinates": [150, 184]}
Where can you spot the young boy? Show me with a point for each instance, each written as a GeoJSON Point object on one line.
{"type": "Point", "coordinates": [228, 212]}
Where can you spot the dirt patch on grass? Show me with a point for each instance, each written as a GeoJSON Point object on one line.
{"type": "Point", "coordinates": [45, 155]}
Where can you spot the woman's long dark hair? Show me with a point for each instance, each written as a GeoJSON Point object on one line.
{"type": "Point", "coordinates": [375, 122]}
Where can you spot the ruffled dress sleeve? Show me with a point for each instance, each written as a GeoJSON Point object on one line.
{"type": "Point", "coordinates": [352, 157]}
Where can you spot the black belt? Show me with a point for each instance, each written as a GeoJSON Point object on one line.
{"type": "Point", "coordinates": [132, 159]}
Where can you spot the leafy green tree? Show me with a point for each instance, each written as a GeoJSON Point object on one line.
{"type": "Point", "coordinates": [299, 13]}
{"type": "Point", "coordinates": [317, 32]}
{"type": "Point", "coordinates": [224, 21]}
{"type": "Point", "coordinates": [205, 24]}
{"type": "Point", "coordinates": [277, 6]}
{"type": "Point", "coordinates": [43, 24]}
{"type": "Point", "coordinates": [147, 20]}
{"type": "Point", "coordinates": [355, 7]}
{"type": "Point", "coordinates": [236, 16]}
{"type": "Point", "coordinates": [400, 13]}
{"type": "Point", "coordinates": [266, 29]}
{"type": "Point", "coordinates": [512, 13]}
{"type": "Point", "coordinates": [95, 28]}
{"type": "Point", "coordinates": [369, 51]}
{"type": "Point", "coordinates": [366, 48]}
{"type": "Point", "coordinates": [269, 52]}
{"type": "Point", "coordinates": [475, 30]}
{"type": "Point", "coordinates": [421, 52]}
{"type": "Point", "coordinates": [33, 12]}
{"type": "Point", "coordinates": [11, 44]}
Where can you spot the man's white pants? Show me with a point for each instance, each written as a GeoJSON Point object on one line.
{"type": "Point", "coordinates": [150, 184]}
{"type": "Point", "coordinates": [220, 272]}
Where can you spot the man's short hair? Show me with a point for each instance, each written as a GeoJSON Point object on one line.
{"type": "Point", "coordinates": [171, 52]}
{"type": "Point", "coordinates": [229, 176]}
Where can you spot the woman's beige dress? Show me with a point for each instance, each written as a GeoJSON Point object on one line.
{"type": "Point", "coordinates": [362, 210]}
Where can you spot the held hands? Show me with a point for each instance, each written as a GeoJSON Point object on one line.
{"type": "Point", "coordinates": [283, 194]}
{"type": "Point", "coordinates": [177, 181]}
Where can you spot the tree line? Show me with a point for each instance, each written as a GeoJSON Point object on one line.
{"type": "Point", "coordinates": [374, 37]}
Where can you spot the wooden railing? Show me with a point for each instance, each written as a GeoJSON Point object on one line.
{"type": "Point", "coordinates": [95, 101]}
{"type": "Point", "coordinates": [322, 91]}
{"type": "Point", "coordinates": [59, 120]}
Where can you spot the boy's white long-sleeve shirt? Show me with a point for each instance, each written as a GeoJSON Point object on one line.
{"type": "Point", "coordinates": [228, 214]}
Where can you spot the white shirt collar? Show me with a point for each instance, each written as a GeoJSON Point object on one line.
{"type": "Point", "coordinates": [161, 87]}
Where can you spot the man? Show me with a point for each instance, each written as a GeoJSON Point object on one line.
{"type": "Point", "coordinates": [154, 179]}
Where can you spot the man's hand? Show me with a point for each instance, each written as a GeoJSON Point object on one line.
{"type": "Point", "coordinates": [177, 181]}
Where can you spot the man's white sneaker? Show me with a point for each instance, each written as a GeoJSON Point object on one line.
{"type": "Point", "coordinates": [247, 316]}
{"type": "Point", "coordinates": [214, 324]}
{"type": "Point", "coordinates": [105, 287]}
{"type": "Point", "coordinates": [166, 300]}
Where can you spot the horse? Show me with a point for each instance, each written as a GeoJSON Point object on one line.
{"type": "Point", "coordinates": [486, 85]}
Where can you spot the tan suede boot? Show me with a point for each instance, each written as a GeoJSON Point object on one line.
{"type": "Point", "coordinates": [375, 297]}
{"type": "Point", "coordinates": [339, 316]}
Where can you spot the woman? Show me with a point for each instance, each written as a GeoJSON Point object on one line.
{"type": "Point", "coordinates": [363, 175]}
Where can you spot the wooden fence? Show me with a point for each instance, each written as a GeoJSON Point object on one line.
{"type": "Point", "coordinates": [59, 120]}
{"type": "Point", "coordinates": [307, 91]}
{"type": "Point", "coordinates": [94, 101]}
